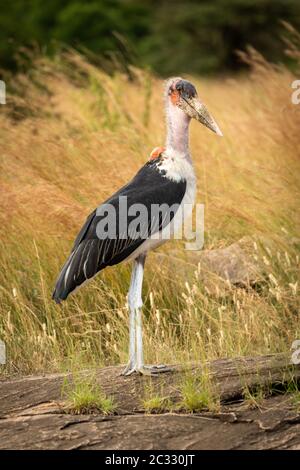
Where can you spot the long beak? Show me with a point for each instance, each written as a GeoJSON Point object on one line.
{"type": "Point", "coordinates": [197, 110]}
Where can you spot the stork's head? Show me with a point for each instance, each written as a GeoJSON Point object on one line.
{"type": "Point", "coordinates": [183, 94]}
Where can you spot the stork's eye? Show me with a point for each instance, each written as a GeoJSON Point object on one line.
{"type": "Point", "coordinates": [179, 86]}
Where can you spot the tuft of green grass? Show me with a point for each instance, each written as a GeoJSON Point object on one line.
{"type": "Point", "coordinates": [157, 404]}
{"type": "Point", "coordinates": [155, 401]}
{"type": "Point", "coordinates": [254, 397]}
{"type": "Point", "coordinates": [198, 394]}
{"type": "Point", "coordinates": [292, 387]}
{"type": "Point", "coordinates": [83, 396]}
{"type": "Point", "coordinates": [296, 399]}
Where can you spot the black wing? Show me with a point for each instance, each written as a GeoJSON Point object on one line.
{"type": "Point", "coordinates": [90, 253]}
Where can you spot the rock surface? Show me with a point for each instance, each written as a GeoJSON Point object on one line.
{"type": "Point", "coordinates": [32, 416]}
{"type": "Point", "coordinates": [235, 263]}
{"type": "Point", "coordinates": [221, 268]}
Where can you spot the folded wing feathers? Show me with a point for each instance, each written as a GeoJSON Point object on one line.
{"type": "Point", "coordinates": [81, 265]}
{"type": "Point", "coordinates": [90, 254]}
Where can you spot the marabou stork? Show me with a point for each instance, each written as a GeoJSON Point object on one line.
{"type": "Point", "coordinates": [167, 178]}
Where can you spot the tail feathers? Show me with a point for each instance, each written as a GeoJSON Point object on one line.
{"type": "Point", "coordinates": [81, 265]}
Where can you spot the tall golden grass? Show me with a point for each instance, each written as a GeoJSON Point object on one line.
{"type": "Point", "coordinates": [70, 136]}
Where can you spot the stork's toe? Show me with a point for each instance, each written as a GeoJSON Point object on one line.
{"type": "Point", "coordinates": [129, 369]}
{"type": "Point", "coordinates": [146, 370]}
{"type": "Point", "coordinates": [155, 369]}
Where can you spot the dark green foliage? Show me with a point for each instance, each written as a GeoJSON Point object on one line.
{"type": "Point", "coordinates": [171, 36]}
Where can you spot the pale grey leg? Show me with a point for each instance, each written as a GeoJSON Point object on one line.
{"type": "Point", "coordinates": [135, 303]}
{"type": "Point", "coordinates": [131, 366]}
{"type": "Point", "coordinates": [135, 327]}
{"type": "Point", "coordinates": [139, 339]}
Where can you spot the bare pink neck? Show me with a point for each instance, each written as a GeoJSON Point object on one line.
{"type": "Point", "coordinates": [177, 129]}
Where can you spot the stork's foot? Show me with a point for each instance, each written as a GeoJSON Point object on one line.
{"type": "Point", "coordinates": [155, 369]}
{"type": "Point", "coordinates": [129, 369]}
{"type": "Point", "coordinates": [146, 370]}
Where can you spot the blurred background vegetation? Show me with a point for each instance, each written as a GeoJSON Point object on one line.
{"type": "Point", "coordinates": [167, 36]}
{"type": "Point", "coordinates": [72, 133]}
